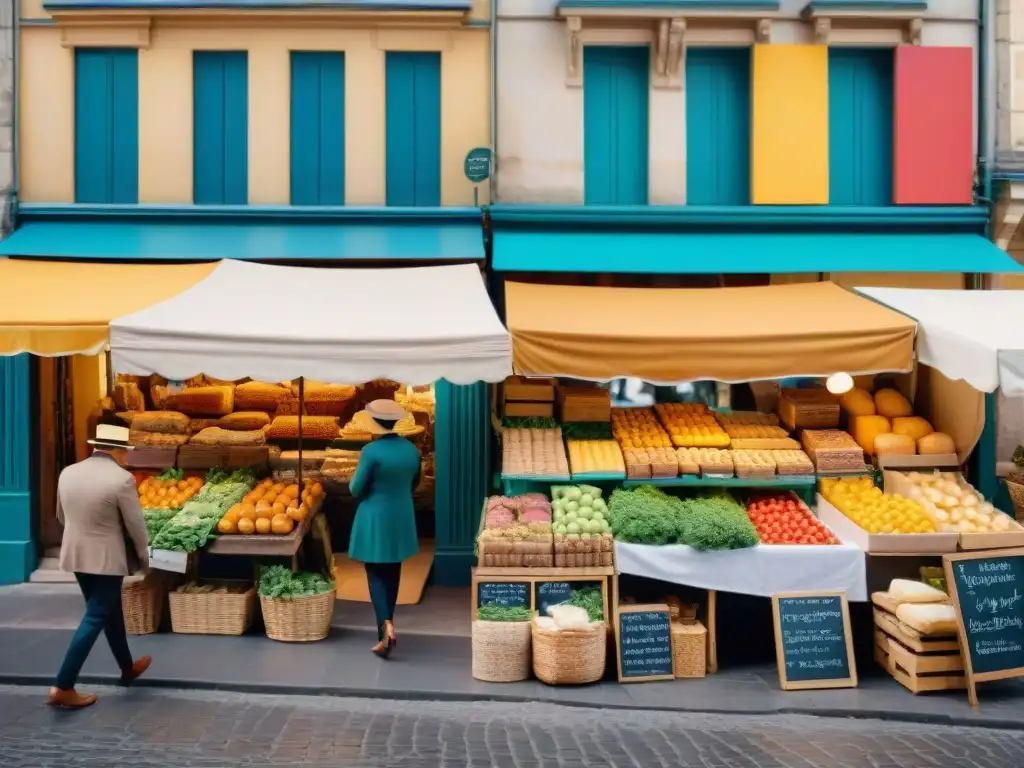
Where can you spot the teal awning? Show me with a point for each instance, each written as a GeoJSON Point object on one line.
{"type": "Point", "coordinates": [311, 240]}
{"type": "Point", "coordinates": [540, 250]}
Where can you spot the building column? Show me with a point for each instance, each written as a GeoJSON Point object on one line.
{"type": "Point", "coordinates": [17, 549]}
{"type": "Point", "coordinates": [462, 444]}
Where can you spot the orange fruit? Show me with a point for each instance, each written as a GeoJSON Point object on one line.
{"type": "Point", "coordinates": [282, 525]}
{"type": "Point", "coordinates": [247, 512]}
{"type": "Point", "coordinates": [317, 489]}
{"type": "Point", "coordinates": [245, 525]}
{"type": "Point", "coordinates": [298, 514]}
{"type": "Point", "coordinates": [263, 525]}
{"type": "Point", "coordinates": [278, 508]}
{"type": "Point", "coordinates": [227, 525]}
{"type": "Point", "coordinates": [292, 491]}
{"type": "Point", "coordinates": [271, 497]}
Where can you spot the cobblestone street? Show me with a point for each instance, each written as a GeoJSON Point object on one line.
{"type": "Point", "coordinates": [172, 729]}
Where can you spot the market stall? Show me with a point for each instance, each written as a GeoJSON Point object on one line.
{"type": "Point", "coordinates": [708, 497]}
{"type": "Point", "coordinates": [204, 429]}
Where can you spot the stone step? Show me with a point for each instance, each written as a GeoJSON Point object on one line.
{"type": "Point", "coordinates": [49, 572]}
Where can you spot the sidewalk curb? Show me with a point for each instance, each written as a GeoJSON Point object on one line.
{"type": "Point", "coordinates": [412, 695]}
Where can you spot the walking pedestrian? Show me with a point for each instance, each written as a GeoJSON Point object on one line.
{"type": "Point", "coordinates": [384, 531]}
{"type": "Point", "coordinates": [104, 540]}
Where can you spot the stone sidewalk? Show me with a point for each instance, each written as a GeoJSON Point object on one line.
{"type": "Point", "coordinates": [430, 666]}
{"type": "Point", "coordinates": [173, 729]}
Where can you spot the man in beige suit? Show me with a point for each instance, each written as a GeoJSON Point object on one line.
{"type": "Point", "coordinates": [104, 540]}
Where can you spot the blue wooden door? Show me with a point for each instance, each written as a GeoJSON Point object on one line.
{"type": "Point", "coordinates": [860, 94]}
{"type": "Point", "coordinates": [413, 134]}
{"type": "Point", "coordinates": [318, 128]}
{"type": "Point", "coordinates": [615, 119]}
{"type": "Point", "coordinates": [220, 161]}
{"type": "Point", "coordinates": [718, 126]}
{"type": "Point", "coordinates": [106, 125]}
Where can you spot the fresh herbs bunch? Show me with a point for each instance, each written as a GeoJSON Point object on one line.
{"type": "Point", "coordinates": [279, 582]}
{"type": "Point", "coordinates": [502, 613]}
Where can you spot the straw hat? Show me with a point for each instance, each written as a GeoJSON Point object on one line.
{"type": "Point", "coordinates": [387, 411]}
{"type": "Point", "coordinates": [110, 437]}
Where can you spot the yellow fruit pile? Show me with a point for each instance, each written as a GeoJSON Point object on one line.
{"type": "Point", "coordinates": [864, 503]}
{"type": "Point", "coordinates": [272, 508]}
{"type": "Point", "coordinates": [155, 493]}
{"type": "Point", "coordinates": [639, 428]}
{"type": "Point", "coordinates": [692, 426]}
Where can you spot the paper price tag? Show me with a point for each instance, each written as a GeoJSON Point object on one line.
{"type": "Point", "coordinates": [168, 560]}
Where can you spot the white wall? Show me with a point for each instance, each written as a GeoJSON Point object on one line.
{"type": "Point", "coordinates": [540, 118]}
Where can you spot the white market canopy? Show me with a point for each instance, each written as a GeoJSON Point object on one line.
{"type": "Point", "coordinates": [977, 336]}
{"type": "Point", "coordinates": [345, 326]}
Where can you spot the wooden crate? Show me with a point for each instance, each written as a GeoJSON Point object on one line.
{"type": "Point", "coordinates": [522, 389]}
{"type": "Point", "coordinates": [918, 662]}
{"type": "Point", "coordinates": [515, 409]}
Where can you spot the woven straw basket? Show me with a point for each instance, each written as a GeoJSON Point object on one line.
{"type": "Point", "coordinates": [142, 602]}
{"type": "Point", "coordinates": [569, 657]}
{"type": "Point", "coordinates": [1015, 485]}
{"type": "Point", "coordinates": [501, 651]}
{"type": "Point", "coordinates": [298, 619]}
{"type": "Point", "coordinates": [212, 613]}
{"type": "Point", "coordinates": [689, 649]}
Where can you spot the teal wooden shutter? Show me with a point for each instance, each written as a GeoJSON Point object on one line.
{"type": "Point", "coordinates": [718, 126]}
{"type": "Point", "coordinates": [220, 157]}
{"type": "Point", "coordinates": [615, 106]}
{"type": "Point", "coordinates": [860, 95]}
{"type": "Point", "coordinates": [106, 125]}
{"type": "Point", "coordinates": [17, 549]}
{"type": "Point", "coordinates": [413, 134]}
{"type": "Point", "coordinates": [318, 128]}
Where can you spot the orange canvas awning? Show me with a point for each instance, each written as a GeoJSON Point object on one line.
{"type": "Point", "coordinates": [53, 308]}
{"type": "Point", "coordinates": [668, 336]}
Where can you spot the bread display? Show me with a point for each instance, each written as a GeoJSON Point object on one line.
{"type": "Point", "coordinates": [691, 424]}
{"type": "Point", "coordinates": [753, 464]}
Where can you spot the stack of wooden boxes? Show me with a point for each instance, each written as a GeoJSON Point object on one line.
{"type": "Point", "coordinates": [528, 398]}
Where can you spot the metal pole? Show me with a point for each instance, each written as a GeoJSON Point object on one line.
{"type": "Point", "coordinates": [302, 407]}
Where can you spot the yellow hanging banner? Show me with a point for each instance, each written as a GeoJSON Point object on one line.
{"type": "Point", "coordinates": [789, 125]}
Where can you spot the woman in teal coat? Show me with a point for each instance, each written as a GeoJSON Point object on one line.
{"type": "Point", "coordinates": [384, 532]}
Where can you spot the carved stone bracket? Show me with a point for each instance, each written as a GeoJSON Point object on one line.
{"type": "Point", "coordinates": [574, 65]}
{"type": "Point", "coordinates": [668, 56]}
{"type": "Point", "coordinates": [914, 27]}
{"type": "Point", "coordinates": [822, 31]}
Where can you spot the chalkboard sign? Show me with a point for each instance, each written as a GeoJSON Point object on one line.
{"type": "Point", "coordinates": [643, 639]}
{"type": "Point", "coordinates": [506, 594]}
{"type": "Point", "coordinates": [812, 640]}
{"type": "Point", "coordinates": [988, 593]}
{"type": "Point", "coordinates": [548, 593]}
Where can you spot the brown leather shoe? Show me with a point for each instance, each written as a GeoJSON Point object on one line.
{"type": "Point", "coordinates": [70, 699]}
{"type": "Point", "coordinates": [138, 668]}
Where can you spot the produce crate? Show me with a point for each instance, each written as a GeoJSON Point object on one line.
{"type": "Point", "coordinates": [920, 663]}
{"type": "Point", "coordinates": [595, 552]}
{"type": "Point", "coordinates": [537, 552]}
{"type": "Point", "coordinates": [522, 389]}
{"type": "Point", "coordinates": [530, 577]}
{"type": "Point", "coordinates": [582, 404]}
{"type": "Point", "coordinates": [212, 613]}
{"type": "Point", "coordinates": [517, 409]}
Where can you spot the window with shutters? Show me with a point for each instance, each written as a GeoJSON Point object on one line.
{"type": "Point", "coordinates": [615, 120]}
{"type": "Point", "coordinates": [220, 159]}
{"type": "Point", "coordinates": [860, 105]}
{"type": "Point", "coordinates": [718, 126]}
{"type": "Point", "coordinates": [413, 128]}
{"type": "Point", "coordinates": [318, 128]}
{"type": "Point", "coordinates": [106, 125]}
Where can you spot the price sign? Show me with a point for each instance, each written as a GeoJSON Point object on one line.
{"type": "Point", "coordinates": [168, 560]}
{"type": "Point", "coordinates": [812, 641]}
{"type": "Point", "coordinates": [643, 638]}
{"type": "Point", "coordinates": [506, 594]}
{"type": "Point", "coordinates": [548, 593]}
{"type": "Point", "coordinates": [988, 593]}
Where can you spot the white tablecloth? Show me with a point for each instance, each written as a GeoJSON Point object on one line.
{"type": "Point", "coordinates": [762, 570]}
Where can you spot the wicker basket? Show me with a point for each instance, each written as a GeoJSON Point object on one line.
{"type": "Point", "coordinates": [1015, 485]}
{"type": "Point", "coordinates": [212, 613]}
{"type": "Point", "coordinates": [142, 601]}
{"type": "Point", "coordinates": [298, 619]}
{"type": "Point", "coordinates": [569, 657]}
{"type": "Point", "coordinates": [501, 651]}
{"type": "Point", "coordinates": [689, 649]}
